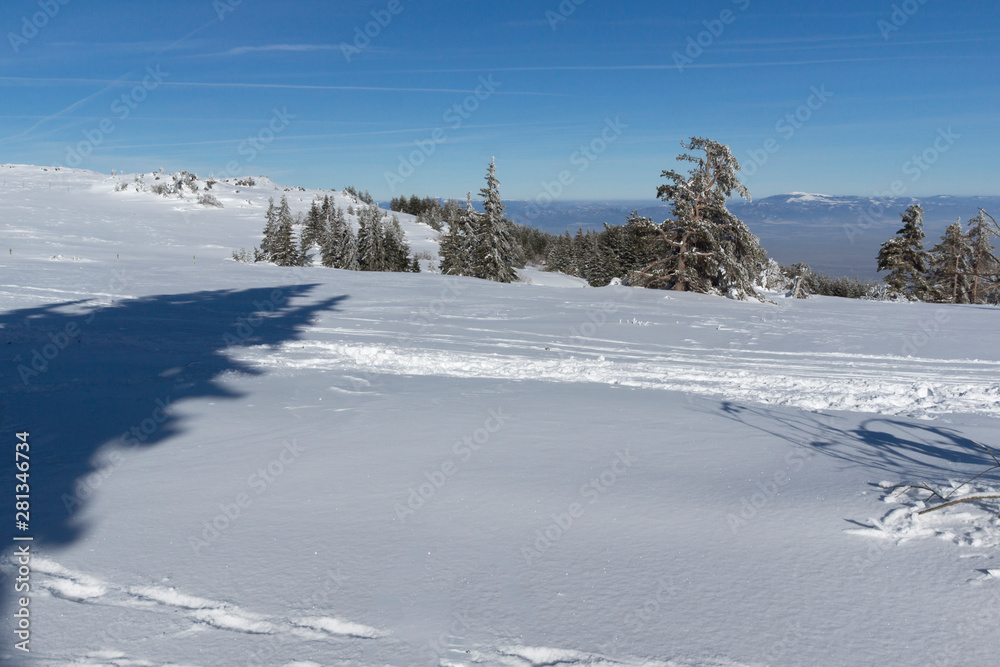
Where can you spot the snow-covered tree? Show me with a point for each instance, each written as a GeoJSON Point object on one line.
{"type": "Point", "coordinates": [285, 251]}
{"type": "Point", "coordinates": [315, 226]}
{"type": "Point", "coordinates": [950, 275]}
{"type": "Point", "coordinates": [459, 245]}
{"type": "Point", "coordinates": [497, 252]}
{"type": "Point", "coordinates": [905, 258]}
{"type": "Point", "coordinates": [270, 234]}
{"type": "Point", "coordinates": [985, 265]}
{"type": "Point", "coordinates": [371, 239]}
{"type": "Point", "coordinates": [340, 247]}
{"type": "Point", "coordinates": [704, 248]}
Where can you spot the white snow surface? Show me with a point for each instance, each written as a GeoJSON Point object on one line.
{"type": "Point", "coordinates": [247, 465]}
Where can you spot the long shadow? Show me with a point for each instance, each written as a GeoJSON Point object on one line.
{"type": "Point", "coordinates": [913, 451]}
{"type": "Point", "coordinates": [85, 381]}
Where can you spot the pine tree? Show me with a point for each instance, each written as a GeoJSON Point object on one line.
{"type": "Point", "coordinates": [905, 258]}
{"type": "Point", "coordinates": [371, 240]}
{"type": "Point", "coordinates": [951, 267]}
{"type": "Point", "coordinates": [704, 248]}
{"type": "Point", "coordinates": [285, 251]}
{"type": "Point", "coordinates": [315, 226]}
{"type": "Point", "coordinates": [985, 265]}
{"type": "Point", "coordinates": [266, 251]}
{"type": "Point", "coordinates": [496, 251]}
{"type": "Point", "coordinates": [459, 246]}
{"type": "Point", "coordinates": [340, 248]}
{"type": "Point", "coordinates": [397, 251]}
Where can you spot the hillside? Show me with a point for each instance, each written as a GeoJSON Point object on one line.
{"type": "Point", "coordinates": [250, 465]}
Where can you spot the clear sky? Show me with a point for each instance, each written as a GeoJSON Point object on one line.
{"type": "Point", "coordinates": [184, 84]}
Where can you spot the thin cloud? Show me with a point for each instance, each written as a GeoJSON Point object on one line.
{"type": "Point", "coordinates": [291, 48]}
{"type": "Point", "coordinates": [265, 86]}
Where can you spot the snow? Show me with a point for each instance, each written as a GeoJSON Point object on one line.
{"type": "Point", "coordinates": [249, 465]}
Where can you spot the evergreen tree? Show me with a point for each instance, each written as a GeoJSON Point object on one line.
{"type": "Point", "coordinates": [369, 240]}
{"type": "Point", "coordinates": [285, 251]}
{"type": "Point", "coordinates": [951, 261]}
{"type": "Point", "coordinates": [905, 258]}
{"type": "Point", "coordinates": [458, 247]}
{"type": "Point", "coordinates": [397, 251]}
{"type": "Point", "coordinates": [496, 250]}
{"type": "Point", "coordinates": [340, 247]}
{"type": "Point", "coordinates": [704, 248]}
{"type": "Point", "coordinates": [985, 265]}
{"type": "Point", "coordinates": [315, 227]}
{"type": "Point", "coordinates": [266, 251]}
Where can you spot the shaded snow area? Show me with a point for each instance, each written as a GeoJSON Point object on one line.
{"type": "Point", "coordinates": [241, 464]}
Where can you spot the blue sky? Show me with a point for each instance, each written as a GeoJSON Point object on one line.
{"type": "Point", "coordinates": [597, 93]}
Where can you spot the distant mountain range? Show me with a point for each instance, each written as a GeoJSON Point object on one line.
{"type": "Point", "coordinates": [833, 234]}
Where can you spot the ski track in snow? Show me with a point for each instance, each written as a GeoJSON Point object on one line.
{"type": "Point", "coordinates": [535, 656]}
{"type": "Point", "coordinates": [883, 385]}
{"type": "Point", "coordinates": [82, 588]}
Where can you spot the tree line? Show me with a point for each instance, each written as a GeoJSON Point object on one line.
{"type": "Point", "coordinates": [378, 245]}
{"type": "Point", "coordinates": [962, 268]}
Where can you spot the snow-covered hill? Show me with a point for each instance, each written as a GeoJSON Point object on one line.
{"type": "Point", "coordinates": [248, 465]}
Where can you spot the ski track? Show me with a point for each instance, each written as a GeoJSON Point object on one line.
{"type": "Point", "coordinates": [883, 385]}
{"type": "Point", "coordinates": [77, 587]}
{"type": "Point", "coordinates": [73, 586]}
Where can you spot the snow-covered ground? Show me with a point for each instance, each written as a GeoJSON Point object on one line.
{"type": "Point", "coordinates": [247, 465]}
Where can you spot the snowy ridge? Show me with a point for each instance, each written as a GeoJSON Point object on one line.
{"type": "Point", "coordinates": [876, 385]}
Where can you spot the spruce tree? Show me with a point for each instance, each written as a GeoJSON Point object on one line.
{"type": "Point", "coordinates": [285, 251]}
{"type": "Point", "coordinates": [985, 265]}
{"type": "Point", "coordinates": [496, 251]}
{"type": "Point", "coordinates": [372, 254]}
{"type": "Point", "coordinates": [704, 247]}
{"type": "Point", "coordinates": [266, 251]}
{"type": "Point", "coordinates": [459, 247]}
{"type": "Point", "coordinates": [952, 267]}
{"type": "Point", "coordinates": [905, 258]}
{"type": "Point", "coordinates": [315, 227]}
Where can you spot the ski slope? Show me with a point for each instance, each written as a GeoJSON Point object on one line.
{"type": "Point", "coordinates": [249, 465]}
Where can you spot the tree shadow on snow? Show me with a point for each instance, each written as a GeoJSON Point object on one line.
{"type": "Point", "coordinates": [909, 450]}
{"type": "Point", "coordinates": [93, 384]}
